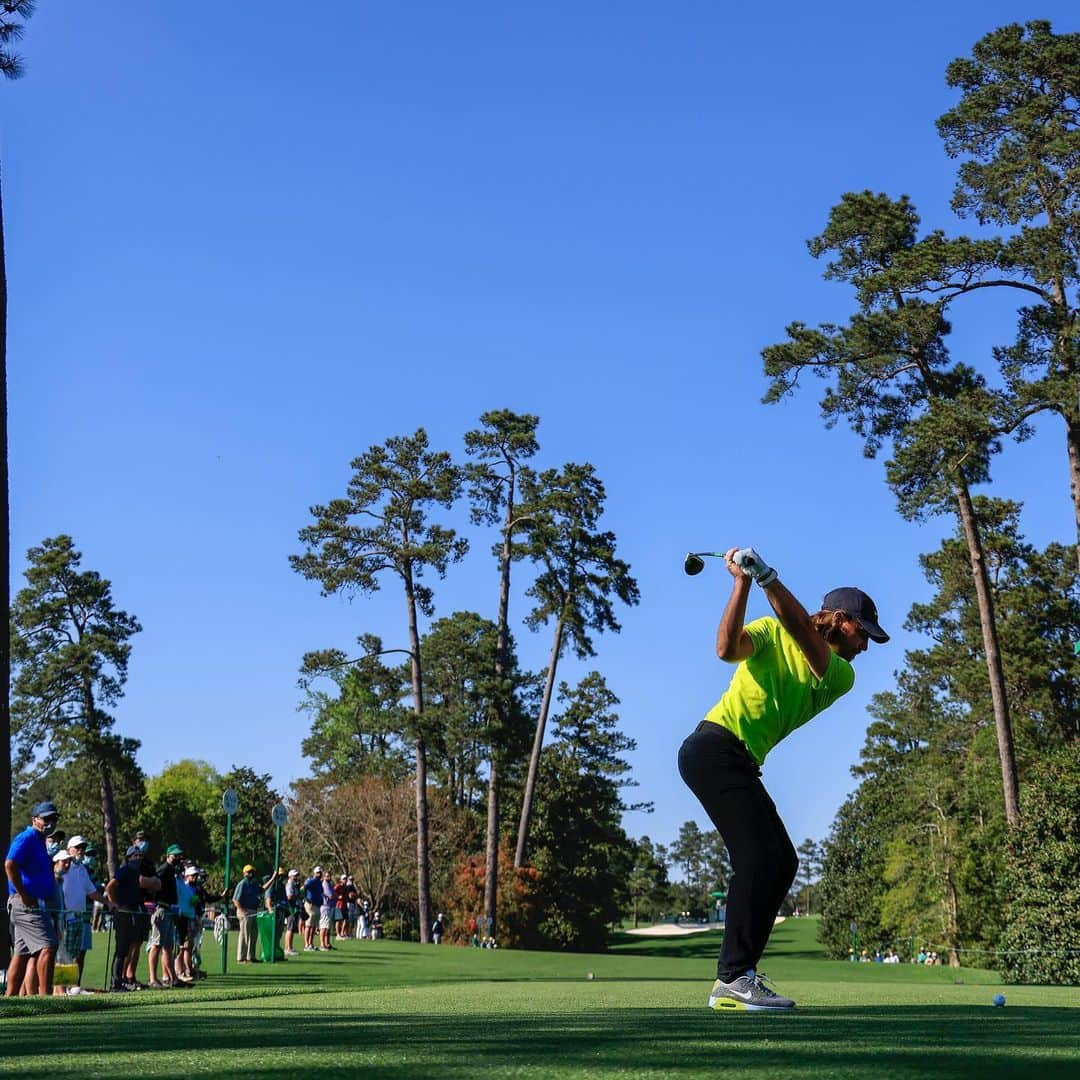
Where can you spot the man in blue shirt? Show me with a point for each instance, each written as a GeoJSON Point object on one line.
{"type": "Point", "coordinates": [313, 898]}
{"type": "Point", "coordinates": [30, 886]}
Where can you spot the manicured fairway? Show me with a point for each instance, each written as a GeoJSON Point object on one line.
{"type": "Point", "coordinates": [392, 1010]}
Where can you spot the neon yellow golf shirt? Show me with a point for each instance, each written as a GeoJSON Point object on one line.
{"type": "Point", "coordinates": [773, 692]}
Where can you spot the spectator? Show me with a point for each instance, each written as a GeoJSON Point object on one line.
{"type": "Point", "coordinates": [274, 899]}
{"type": "Point", "coordinates": [341, 906]}
{"type": "Point", "coordinates": [376, 926]}
{"type": "Point", "coordinates": [352, 896]}
{"type": "Point", "coordinates": [55, 843]}
{"type": "Point", "coordinates": [68, 928]}
{"type": "Point", "coordinates": [125, 892]}
{"type": "Point", "coordinates": [246, 899]}
{"type": "Point", "coordinates": [79, 887]}
{"type": "Point", "coordinates": [30, 887]}
{"type": "Point", "coordinates": [202, 898]}
{"type": "Point", "coordinates": [437, 928]}
{"type": "Point", "coordinates": [363, 919]}
{"type": "Point", "coordinates": [187, 923]}
{"type": "Point", "coordinates": [163, 923]}
{"type": "Point", "coordinates": [294, 904]}
{"type": "Point", "coordinates": [313, 898]}
{"type": "Point", "coordinates": [326, 913]}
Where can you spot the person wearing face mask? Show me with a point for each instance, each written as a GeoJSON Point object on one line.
{"type": "Point", "coordinates": [125, 893]}
{"type": "Point", "coordinates": [79, 887]}
{"type": "Point", "coordinates": [30, 887]}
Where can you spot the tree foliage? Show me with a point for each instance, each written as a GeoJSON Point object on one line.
{"type": "Point", "coordinates": [582, 855]}
{"type": "Point", "coordinates": [579, 578]}
{"type": "Point", "coordinates": [382, 525]}
{"type": "Point", "coordinates": [1041, 943]}
{"type": "Point", "coordinates": [70, 648]}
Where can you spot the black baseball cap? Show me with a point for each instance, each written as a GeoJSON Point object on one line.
{"type": "Point", "coordinates": [860, 607]}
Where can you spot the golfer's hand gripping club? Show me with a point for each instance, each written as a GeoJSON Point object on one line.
{"type": "Point", "coordinates": [753, 565]}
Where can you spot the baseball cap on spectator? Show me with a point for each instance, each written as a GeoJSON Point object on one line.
{"type": "Point", "coordinates": [63, 855]}
{"type": "Point", "coordinates": [317, 870]}
{"type": "Point", "coordinates": [191, 871]}
{"type": "Point", "coordinates": [174, 849]}
{"type": "Point", "coordinates": [249, 868]}
{"type": "Point", "coordinates": [294, 873]}
{"type": "Point", "coordinates": [77, 841]}
{"type": "Point", "coordinates": [44, 810]}
{"type": "Point", "coordinates": [344, 877]}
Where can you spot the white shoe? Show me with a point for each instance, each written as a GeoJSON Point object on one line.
{"type": "Point", "coordinates": [749, 992]}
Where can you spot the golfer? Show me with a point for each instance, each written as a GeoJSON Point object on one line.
{"type": "Point", "coordinates": [790, 668]}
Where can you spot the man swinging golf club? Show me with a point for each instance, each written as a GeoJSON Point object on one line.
{"type": "Point", "coordinates": [790, 668]}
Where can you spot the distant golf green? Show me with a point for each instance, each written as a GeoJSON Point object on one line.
{"type": "Point", "coordinates": [396, 1010]}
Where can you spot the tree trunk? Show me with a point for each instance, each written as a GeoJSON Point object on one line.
{"type": "Point", "coordinates": [1072, 437]}
{"type": "Point", "coordinates": [423, 883]}
{"type": "Point", "coordinates": [491, 860]}
{"type": "Point", "coordinates": [538, 744]}
{"type": "Point", "coordinates": [998, 696]}
{"type": "Point", "coordinates": [108, 818]}
{"type": "Point", "coordinates": [5, 590]}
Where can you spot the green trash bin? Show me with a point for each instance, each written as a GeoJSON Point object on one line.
{"type": "Point", "coordinates": [266, 921]}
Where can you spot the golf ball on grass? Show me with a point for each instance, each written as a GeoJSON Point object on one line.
{"type": "Point", "coordinates": [999, 1000]}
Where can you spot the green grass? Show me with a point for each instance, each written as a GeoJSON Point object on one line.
{"type": "Point", "coordinates": [397, 1010]}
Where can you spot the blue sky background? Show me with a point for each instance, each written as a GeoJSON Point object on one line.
{"type": "Point", "coordinates": [244, 246]}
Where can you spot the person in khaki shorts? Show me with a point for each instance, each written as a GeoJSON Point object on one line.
{"type": "Point", "coordinates": [246, 899]}
{"type": "Point", "coordinates": [30, 887]}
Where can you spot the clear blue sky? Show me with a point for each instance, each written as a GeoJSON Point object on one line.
{"type": "Point", "coordinates": [245, 244]}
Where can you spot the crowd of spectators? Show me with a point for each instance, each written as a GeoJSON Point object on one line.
{"type": "Point", "coordinates": [56, 903]}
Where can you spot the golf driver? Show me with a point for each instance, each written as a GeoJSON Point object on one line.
{"type": "Point", "coordinates": [695, 560]}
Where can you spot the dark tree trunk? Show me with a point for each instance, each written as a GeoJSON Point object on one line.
{"type": "Point", "coordinates": [538, 745]}
{"type": "Point", "coordinates": [1073, 443]}
{"type": "Point", "coordinates": [5, 589]}
{"type": "Point", "coordinates": [491, 862]}
{"type": "Point", "coordinates": [108, 818]}
{"type": "Point", "coordinates": [423, 882]}
{"type": "Point", "coordinates": [988, 623]}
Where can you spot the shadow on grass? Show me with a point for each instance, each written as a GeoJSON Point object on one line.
{"type": "Point", "coordinates": [914, 1041]}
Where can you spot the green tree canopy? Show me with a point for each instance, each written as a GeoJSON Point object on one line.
{"type": "Point", "coordinates": [70, 651]}
{"type": "Point", "coordinates": [381, 525]}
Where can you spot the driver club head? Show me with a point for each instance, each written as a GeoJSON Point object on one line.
{"type": "Point", "coordinates": [693, 564]}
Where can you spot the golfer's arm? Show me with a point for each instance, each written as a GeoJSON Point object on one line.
{"type": "Point", "coordinates": [733, 643]}
{"type": "Point", "coordinates": [795, 620]}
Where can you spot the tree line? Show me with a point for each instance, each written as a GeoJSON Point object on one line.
{"type": "Point", "coordinates": [457, 723]}
{"type": "Point", "coordinates": [982, 729]}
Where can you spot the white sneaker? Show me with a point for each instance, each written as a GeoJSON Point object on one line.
{"type": "Point", "coordinates": [748, 992]}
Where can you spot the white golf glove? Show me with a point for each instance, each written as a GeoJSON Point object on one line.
{"type": "Point", "coordinates": [753, 565]}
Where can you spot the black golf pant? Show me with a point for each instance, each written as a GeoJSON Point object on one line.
{"type": "Point", "coordinates": [719, 770]}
